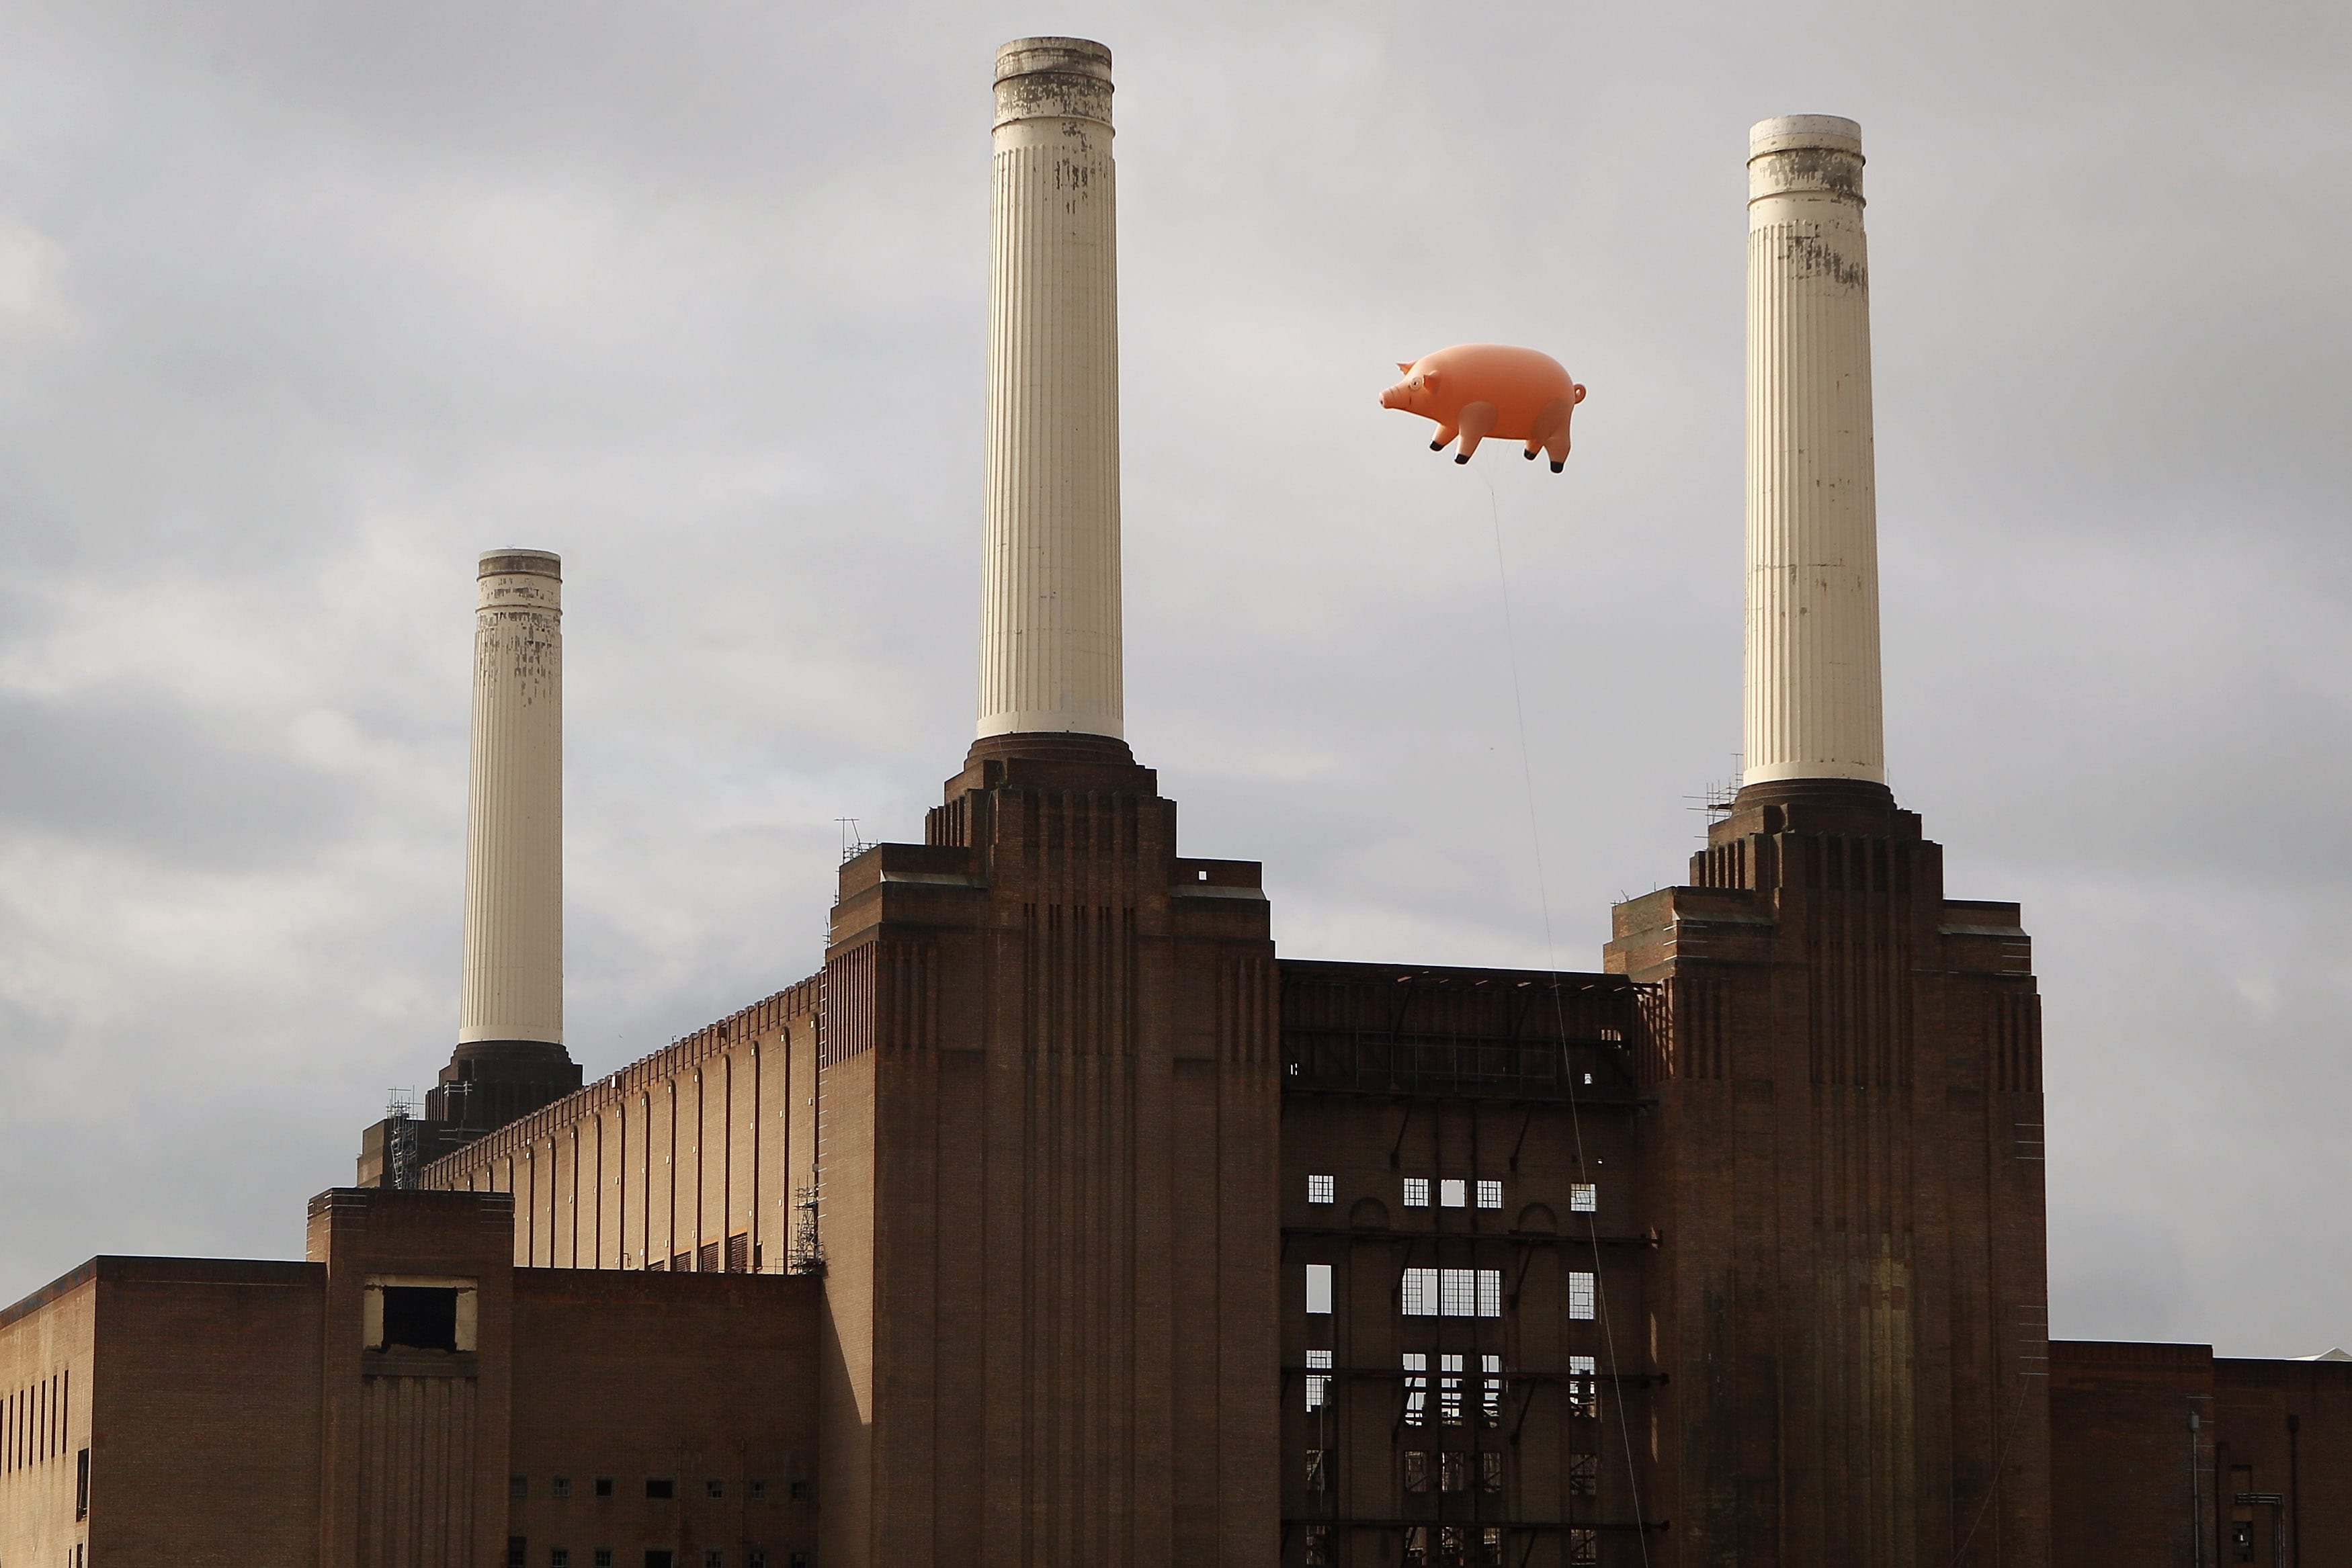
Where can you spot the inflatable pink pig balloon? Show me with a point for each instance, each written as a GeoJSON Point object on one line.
{"type": "Point", "coordinates": [1479, 389]}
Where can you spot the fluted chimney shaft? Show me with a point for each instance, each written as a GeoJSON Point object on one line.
{"type": "Point", "coordinates": [1812, 707]}
{"type": "Point", "coordinates": [513, 988]}
{"type": "Point", "coordinates": [1049, 631]}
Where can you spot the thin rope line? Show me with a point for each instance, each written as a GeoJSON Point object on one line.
{"type": "Point", "coordinates": [1560, 1016]}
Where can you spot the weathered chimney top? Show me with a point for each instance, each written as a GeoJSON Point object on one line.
{"type": "Point", "coordinates": [1052, 78]}
{"type": "Point", "coordinates": [523, 562]}
{"type": "Point", "coordinates": [1796, 153]}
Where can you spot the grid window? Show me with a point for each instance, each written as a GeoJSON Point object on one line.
{"type": "Point", "coordinates": [1449, 1390]}
{"type": "Point", "coordinates": [714, 1558]}
{"type": "Point", "coordinates": [1490, 1545]}
{"type": "Point", "coordinates": [802, 1492]}
{"type": "Point", "coordinates": [1416, 1192]}
{"type": "Point", "coordinates": [1314, 1469]}
{"type": "Point", "coordinates": [758, 1491]}
{"type": "Point", "coordinates": [1417, 1388]}
{"type": "Point", "coordinates": [1453, 1193]}
{"type": "Point", "coordinates": [1319, 1388]}
{"type": "Point", "coordinates": [1490, 1293]}
{"type": "Point", "coordinates": [1453, 1471]}
{"type": "Point", "coordinates": [604, 1557]}
{"type": "Point", "coordinates": [717, 1488]}
{"type": "Point", "coordinates": [1585, 1548]}
{"type": "Point", "coordinates": [1490, 1195]}
{"type": "Point", "coordinates": [1490, 1390]}
{"type": "Point", "coordinates": [1318, 1537]}
{"type": "Point", "coordinates": [1579, 1295]}
{"type": "Point", "coordinates": [559, 1557]}
{"type": "Point", "coordinates": [1452, 1293]}
{"type": "Point", "coordinates": [1490, 1471]}
{"type": "Point", "coordinates": [1583, 1197]}
{"type": "Point", "coordinates": [1321, 1189]}
{"type": "Point", "coordinates": [1583, 1475]}
{"type": "Point", "coordinates": [1416, 1470]}
{"type": "Point", "coordinates": [1418, 1299]}
{"type": "Point", "coordinates": [1319, 1289]}
{"type": "Point", "coordinates": [559, 1487]}
{"type": "Point", "coordinates": [1456, 1297]}
{"type": "Point", "coordinates": [518, 1552]}
{"type": "Point", "coordinates": [1583, 1387]}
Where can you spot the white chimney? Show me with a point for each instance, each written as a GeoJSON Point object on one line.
{"type": "Point", "coordinates": [1813, 697]}
{"type": "Point", "coordinates": [1049, 625]}
{"type": "Point", "coordinates": [513, 988]}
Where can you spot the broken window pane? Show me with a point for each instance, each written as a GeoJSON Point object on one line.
{"type": "Point", "coordinates": [1318, 1389]}
{"type": "Point", "coordinates": [1490, 1390]}
{"type": "Point", "coordinates": [1583, 1196]}
{"type": "Point", "coordinates": [1449, 1391]}
{"type": "Point", "coordinates": [1417, 1388]}
{"type": "Point", "coordinates": [1416, 1470]}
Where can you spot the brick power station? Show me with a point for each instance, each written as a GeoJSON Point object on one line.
{"type": "Point", "coordinates": [1060, 1221]}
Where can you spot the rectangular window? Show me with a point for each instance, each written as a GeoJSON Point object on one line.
{"type": "Point", "coordinates": [1490, 1195]}
{"type": "Point", "coordinates": [1416, 1192]}
{"type": "Point", "coordinates": [559, 1487]}
{"type": "Point", "coordinates": [1319, 1388]}
{"type": "Point", "coordinates": [1490, 1471]}
{"type": "Point", "coordinates": [1416, 1389]}
{"type": "Point", "coordinates": [661, 1489]}
{"type": "Point", "coordinates": [739, 1252]}
{"type": "Point", "coordinates": [1453, 1193]}
{"type": "Point", "coordinates": [1490, 1390]}
{"type": "Point", "coordinates": [1319, 1538]}
{"type": "Point", "coordinates": [1583, 1475]}
{"type": "Point", "coordinates": [1583, 1197]}
{"type": "Point", "coordinates": [1490, 1547]}
{"type": "Point", "coordinates": [1319, 1289]}
{"type": "Point", "coordinates": [1452, 1293]}
{"type": "Point", "coordinates": [1416, 1546]}
{"type": "Point", "coordinates": [714, 1558]}
{"type": "Point", "coordinates": [559, 1557]}
{"type": "Point", "coordinates": [758, 1491]}
{"type": "Point", "coordinates": [1583, 1387]}
{"type": "Point", "coordinates": [81, 1485]}
{"type": "Point", "coordinates": [800, 1491]}
{"type": "Point", "coordinates": [518, 1552]}
{"type": "Point", "coordinates": [1314, 1469]}
{"type": "Point", "coordinates": [517, 1486]}
{"type": "Point", "coordinates": [1452, 1473]}
{"type": "Point", "coordinates": [657, 1558]}
{"type": "Point", "coordinates": [1418, 1298]}
{"type": "Point", "coordinates": [707, 1257]}
{"type": "Point", "coordinates": [1449, 1390]}
{"type": "Point", "coordinates": [1584, 1548]}
{"type": "Point", "coordinates": [1579, 1295]}
{"type": "Point", "coordinates": [755, 1558]}
{"type": "Point", "coordinates": [717, 1489]}
{"type": "Point", "coordinates": [603, 1486]}
{"type": "Point", "coordinates": [1416, 1470]}
{"type": "Point", "coordinates": [1321, 1189]}
{"type": "Point", "coordinates": [420, 1317]}
{"type": "Point", "coordinates": [604, 1557]}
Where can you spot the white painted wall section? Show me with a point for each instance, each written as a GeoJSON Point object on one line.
{"type": "Point", "coordinates": [1049, 627]}
{"type": "Point", "coordinates": [1812, 699]}
{"type": "Point", "coordinates": [512, 987]}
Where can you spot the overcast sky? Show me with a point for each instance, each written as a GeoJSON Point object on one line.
{"type": "Point", "coordinates": [302, 306]}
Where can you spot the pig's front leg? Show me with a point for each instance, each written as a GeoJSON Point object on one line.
{"type": "Point", "coordinates": [1478, 420]}
{"type": "Point", "coordinates": [1445, 433]}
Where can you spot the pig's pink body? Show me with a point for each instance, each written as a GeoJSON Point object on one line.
{"type": "Point", "coordinates": [1477, 390]}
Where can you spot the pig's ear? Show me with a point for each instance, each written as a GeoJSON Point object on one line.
{"type": "Point", "coordinates": [1429, 378]}
{"type": "Point", "coordinates": [1405, 365]}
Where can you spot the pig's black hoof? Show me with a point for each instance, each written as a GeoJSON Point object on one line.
{"type": "Point", "coordinates": [1462, 457]}
{"type": "Point", "coordinates": [1558, 467]}
{"type": "Point", "coordinates": [1528, 456]}
{"type": "Point", "coordinates": [1437, 447]}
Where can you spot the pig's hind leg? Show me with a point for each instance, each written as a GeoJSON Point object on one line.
{"type": "Point", "coordinates": [1445, 433]}
{"type": "Point", "coordinates": [1551, 432]}
{"type": "Point", "coordinates": [1478, 420]}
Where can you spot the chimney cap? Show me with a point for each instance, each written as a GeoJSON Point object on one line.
{"type": "Point", "coordinates": [1064, 57]}
{"type": "Point", "coordinates": [1787, 133]}
{"type": "Point", "coordinates": [513, 561]}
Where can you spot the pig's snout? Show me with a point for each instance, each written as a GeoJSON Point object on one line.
{"type": "Point", "coordinates": [1398, 396]}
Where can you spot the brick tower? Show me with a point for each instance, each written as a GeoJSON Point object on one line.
{"type": "Point", "coordinates": [1851, 1305]}
{"type": "Point", "coordinates": [1048, 1083]}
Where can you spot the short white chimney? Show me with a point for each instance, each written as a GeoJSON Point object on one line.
{"type": "Point", "coordinates": [1812, 682]}
{"type": "Point", "coordinates": [1049, 623]}
{"type": "Point", "coordinates": [513, 988]}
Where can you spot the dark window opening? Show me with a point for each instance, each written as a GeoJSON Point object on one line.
{"type": "Point", "coordinates": [714, 1558]}
{"type": "Point", "coordinates": [717, 1488]}
{"type": "Point", "coordinates": [707, 1257]}
{"type": "Point", "coordinates": [738, 1253]}
{"type": "Point", "coordinates": [1416, 1470]}
{"type": "Point", "coordinates": [1583, 1475]}
{"type": "Point", "coordinates": [758, 1491]}
{"type": "Point", "coordinates": [518, 1552]}
{"type": "Point", "coordinates": [559, 1487]}
{"type": "Point", "coordinates": [420, 1317]}
{"type": "Point", "coordinates": [517, 1486]}
{"type": "Point", "coordinates": [800, 1560]}
{"type": "Point", "coordinates": [657, 1558]}
{"type": "Point", "coordinates": [800, 1492]}
{"type": "Point", "coordinates": [603, 1486]}
{"type": "Point", "coordinates": [81, 1485]}
{"type": "Point", "coordinates": [604, 1557]}
{"type": "Point", "coordinates": [559, 1557]}
{"type": "Point", "coordinates": [661, 1489]}
{"type": "Point", "coordinates": [1314, 1472]}
{"type": "Point", "coordinates": [755, 1558]}
{"type": "Point", "coordinates": [1490, 1471]}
